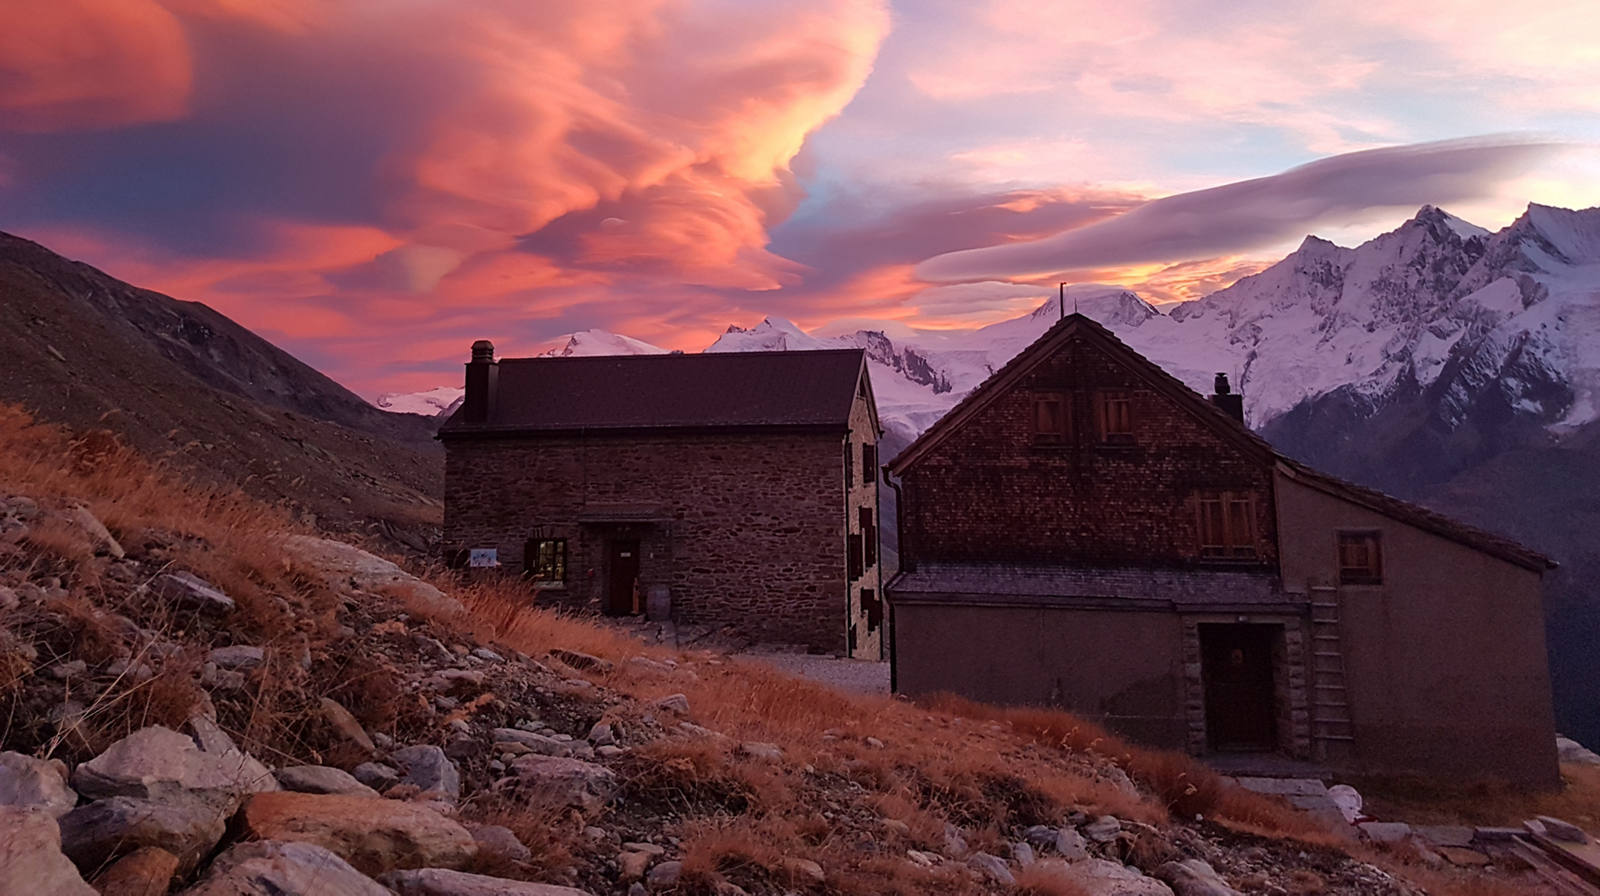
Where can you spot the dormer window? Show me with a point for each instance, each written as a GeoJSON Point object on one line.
{"type": "Point", "coordinates": [1050, 419]}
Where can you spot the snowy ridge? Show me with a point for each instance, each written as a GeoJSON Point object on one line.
{"type": "Point", "coordinates": [1436, 304]}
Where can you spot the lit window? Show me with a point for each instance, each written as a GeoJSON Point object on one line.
{"type": "Point", "coordinates": [1360, 558]}
{"type": "Point", "coordinates": [545, 561]}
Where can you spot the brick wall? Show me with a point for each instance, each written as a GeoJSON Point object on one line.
{"type": "Point", "coordinates": [751, 535]}
{"type": "Point", "coordinates": [989, 494]}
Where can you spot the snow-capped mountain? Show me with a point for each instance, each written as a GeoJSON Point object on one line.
{"type": "Point", "coordinates": [442, 400]}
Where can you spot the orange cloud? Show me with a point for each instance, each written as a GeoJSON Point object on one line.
{"type": "Point", "coordinates": [76, 64]}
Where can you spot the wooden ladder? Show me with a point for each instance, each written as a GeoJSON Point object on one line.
{"type": "Point", "coordinates": [1330, 698]}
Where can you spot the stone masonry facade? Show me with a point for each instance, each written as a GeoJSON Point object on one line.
{"type": "Point", "coordinates": [867, 614]}
{"type": "Point", "coordinates": [746, 530]}
{"type": "Point", "coordinates": [989, 494]}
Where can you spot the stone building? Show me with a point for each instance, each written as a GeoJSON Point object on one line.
{"type": "Point", "coordinates": [736, 490]}
{"type": "Point", "coordinates": [1084, 531]}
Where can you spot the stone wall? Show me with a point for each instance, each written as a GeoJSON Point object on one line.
{"type": "Point", "coordinates": [989, 494]}
{"type": "Point", "coordinates": [746, 530]}
{"type": "Point", "coordinates": [862, 493]}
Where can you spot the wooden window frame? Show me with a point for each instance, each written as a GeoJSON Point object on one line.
{"type": "Point", "coordinates": [1370, 573]}
{"type": "Point", "coordinates": [1062, 434]}
{"type": "Point", "coordinates": [1233, 546]}
{"type": "Point", "coordinates": [546, 569]}
{"type": "Point", "coordinates": [1111, 427]}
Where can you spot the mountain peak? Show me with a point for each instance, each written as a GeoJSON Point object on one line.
{"type": "Point", "coordinates": [1441, 221]}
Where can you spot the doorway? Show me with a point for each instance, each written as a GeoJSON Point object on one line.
{"type": "Point", "coordinates": [1236, 666]}
{"type": "Point", "coordinates": [622, 592]}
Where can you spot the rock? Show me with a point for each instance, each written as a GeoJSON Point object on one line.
{"type": "Point", "coordinates": [441, 882]}
{"type": "Point", "coordinates": [633, 865]}
{"type": "Point", "coordinates": [8, 599]}
{"type": "Point", "coordinates": [955, 843]}
{"type": "Point", "coordinates": [1556, 829]}
{"type": "Point", "coordinates": [1103, 878]}
{"type": "Point", "coordinates": [268, 868]}
{"type": "Point", "coordinates": [1385, 831]}
{"type": "Point", "coordinates": [500, 844]}
{"type": "Point", "coordinates": [95, 531]}
{"type": "Point", "coordinates": [1070, 845]}
{"type": "Point", "coordinates": [760, 750]}
{"type": "Point", "coordinates": [189, 590]}
{"type": "Point", "coordinates": [187, 827]}
{"type": "Point", "coordinates": [487, 655]}
{"type": "Point", "coordinates": [345, 725]}
{"type": "Point", "coordinates": [1103, 829]}
{"type": "Point", "coordinates": [609, 752]}
{"type": "Point", "coordinates": [28, 782]}
{"type": "Point", "coordinates": [1569, 750]}
{"type": "Point", "coordinates": [144, 872]}
{"type": "Point", "coordinates": [344, 565]}
{"type": "Point", "coordinates": [239, 657]}
{"type": "Point", "coordinates": [573, 782]}
{"type": "Point", "coordinates": [1444, 835]}
{"type": "Point", "coordinates": [376, 775]}
{"type": "Point", "coordinates": [426, 766]}
{"type": "Point", "coordinates": [323, 779]}
{"type": "Point", "coordinates": [1022, 854]}
{"type": "Point", "coordinates": [582, 661]}
{"type": "Point", "coordinates": [215, 742]}
{"type": "Point", "coordinates": [874, 743]}
{"type": "Point", "coordinates": [1193, 877]}
{"type": "Point", "coordinates": [992, 867]}
{"type": "Point", "coordinates": [675, 703]}
{"type": "Point", "coordinates": [31, 860]}
{"type": "Point", "coordinates": [602, 735]}
{"type": "Point", "coordinates": [373, 835]}
{"type": "Point", "coordinates": [664, 876]}
{"type": "Point", "coordinates": [532, 743]}
{"type": "Point", "coordinates": [649, 849]}
{"type": "Point", "coordinates": [69, 669]}
{"type": "Point", "coordinates": [159, 764]}
{"type": "Point", "coordinates": [1347, 800]}
{"type": "Point", "coordinates": [803, 870]}
{"type": "Point", "coordinates": [1463, 857]}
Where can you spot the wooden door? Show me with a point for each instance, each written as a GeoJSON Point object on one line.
{"type": "Point", "coordinates": [1236, 666]}
{"type": "Point", "coordinates": [622, 595]}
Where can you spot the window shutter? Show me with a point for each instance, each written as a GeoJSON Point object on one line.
{"type": "Point", "coordinates": [855, 556]}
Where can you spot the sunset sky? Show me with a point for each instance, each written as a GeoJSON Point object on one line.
{"type": "Point", "coordinates": [375, 183]}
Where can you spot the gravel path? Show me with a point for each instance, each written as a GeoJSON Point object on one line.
{"type": "Point", "coordinates": [855, 676]}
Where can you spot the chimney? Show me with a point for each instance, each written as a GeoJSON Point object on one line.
{"type": "Point", "coordinates": [1224, 398]}
{"type": "Point", "coordinates": [483, 379]}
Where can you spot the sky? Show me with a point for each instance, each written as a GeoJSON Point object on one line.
{"type": "Point", "coordinates": [373, 184]}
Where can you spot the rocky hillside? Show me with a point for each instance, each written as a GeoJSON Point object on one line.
{"type": "Point", "coordinates": [182, 382]}
{"type": "Point", "coordinates": [204, 697]}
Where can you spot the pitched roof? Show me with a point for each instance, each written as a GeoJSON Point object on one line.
{"type": "Point", "coordinates": [1220, 421]}
{"type": "Point", "coordinates": [627, 392]}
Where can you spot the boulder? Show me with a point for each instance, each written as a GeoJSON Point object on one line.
{"type": "Point", "coordinates": [213, 741]}
{"type": "Point", "coordinates": [31, 861]}
{"type": "Point", "coordinates": [441, 882]}
{"type": "Point", "coordinates": [674, 703]}
{"type": "Point", "coordinates": [535, 743]}
{"type": "Point", "coordinates": [581, 661]}
{"type": "Point", "coordinates": [664, 876]}
{"type": "Point", "coordinates": [633, 864]}
{"type": "Point", "coordinates": [98, 535]}
{"type": "Point", "coordinates": [1570, 751]}
{"type": "Point", "coordinates": [144, 872]}
{"type": "Point", "coordinates": [345, 565]}
{"type": "Point", "coordinates": [189, 590]}
{"type": "Point", "coordinates": [1103, 829]}
{"type": "Point", "coordinates": [345, 725]}
{"type": "Point", "coordinates": [426, 766]}
{"type": "Point", "coordinates": [322, 779]}
{"type": "Point", "coordinates": [498, 843]}
{"type": "Point", "coordinates": [992, 867]}
{"type": "Point", "coordinates": [1194, 877]}
{"type": "Point", "coordinates": [26, 781]}
{"type": "Point", "coordinates": [1556, 829]}
{"type": "Point", "coordinates": [241, 657]}
{"type": "Point", "coordinates": [803, 870]}
{"type": "Point", "coordinates": [1104, 878]}
{"type": "Point", "coordinates": [1022, 854]}
{"type": "Point", "coordinates": [760, 750]}
{"type": "Point", "coordinates": [572, 782]}
{"type": "Point", "coordinates": [1385, 832]}
{"type": "Point", "coordinates": [374, 835]}
{"type": "Point", "coordinates": [187, 827]}
{"type": "Point", "coordinates": [268, 868]}
{"type": "Point", "coordinates": [376, 775]}
{"type": "Point", "coordinates": [160, 764]}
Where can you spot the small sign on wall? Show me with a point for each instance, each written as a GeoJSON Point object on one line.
{"type": "Point", "coordinates": [484, 557]}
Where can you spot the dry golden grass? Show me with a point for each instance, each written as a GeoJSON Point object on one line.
{"type": "Point", "coordinates": [1578, 801]}
{"type": "Point", "coordinates": [1046, 879]}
